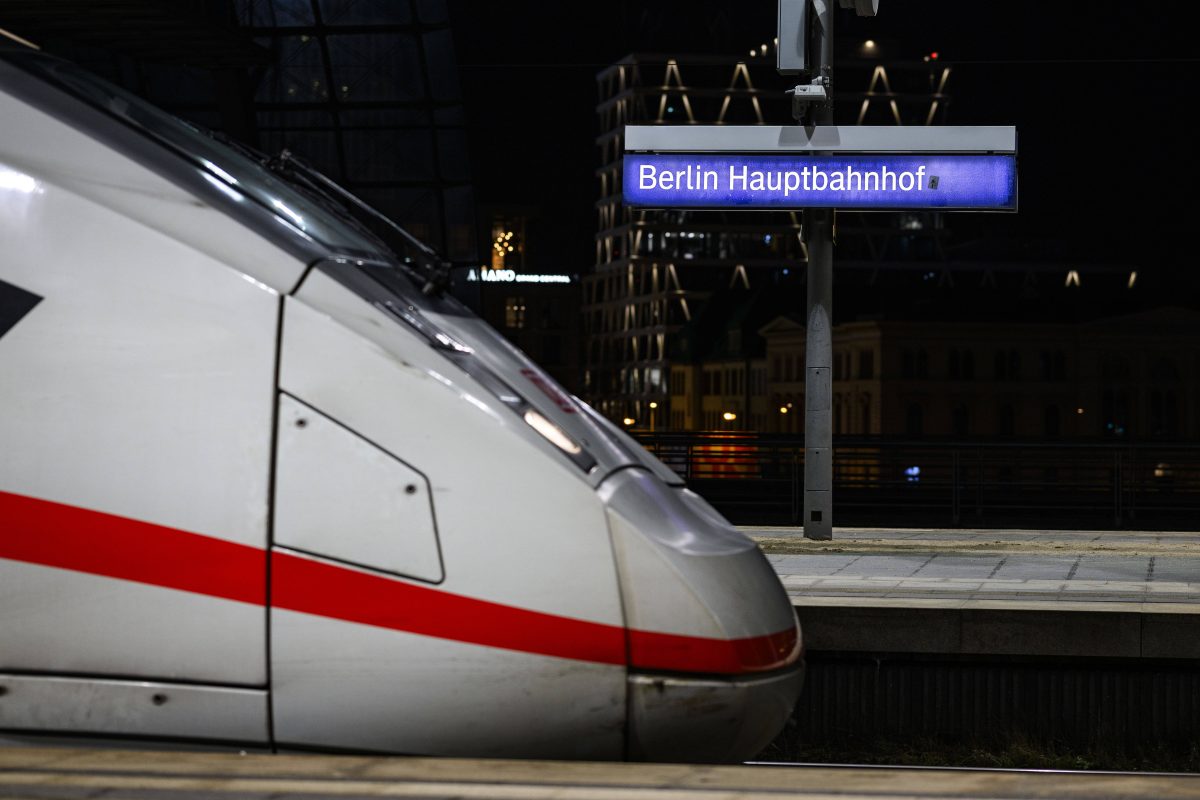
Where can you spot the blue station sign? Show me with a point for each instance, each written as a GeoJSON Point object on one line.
{"type": "Point", "coordinates": [970, 169]}
{"type": "Point", "coordinates": [967, 182]}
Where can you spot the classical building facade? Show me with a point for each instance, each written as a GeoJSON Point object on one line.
{"type": "Point", "coordinates": [1109, 378]}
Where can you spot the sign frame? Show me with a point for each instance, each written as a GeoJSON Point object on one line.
{"type": "Point", "coordinates": [823, 141]}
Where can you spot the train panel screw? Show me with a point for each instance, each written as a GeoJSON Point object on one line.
{"type": "Point", "coordinates": [410, 489]}
{"type": "Point", "coordinates": [158, 699]}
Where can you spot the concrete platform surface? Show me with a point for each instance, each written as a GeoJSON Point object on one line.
{"type": "Point", "coordinates": [1089, 594]}
{"type": "Point", "coordinates": [67, 774]}
{"type": "Point", "coordinates": [1130, 568]}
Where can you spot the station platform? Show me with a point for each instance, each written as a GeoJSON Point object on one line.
{"type": "Point", "coordinates": [68, 774]}
{"type": "Point", "coordinates": [993, 592]}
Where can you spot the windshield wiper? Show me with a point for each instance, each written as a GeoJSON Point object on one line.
{"type": "Point", "coordinates": [436, 272]}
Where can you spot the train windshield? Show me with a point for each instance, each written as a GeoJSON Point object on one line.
{"type": "Point", "coordinates": [223, 160]}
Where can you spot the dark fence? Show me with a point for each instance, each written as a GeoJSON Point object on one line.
{"type": "Point", "coordinates": [759, 479]}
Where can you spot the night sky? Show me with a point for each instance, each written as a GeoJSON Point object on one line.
{"type": "Point", "coordinates": [1098, 93]}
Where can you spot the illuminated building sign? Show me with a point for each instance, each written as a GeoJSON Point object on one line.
{"type": "Point", "coordinates": [511, 276]}
{"type": "Point", "coordinates": [857, 167]}
{"type": "Point", "coordinates": [814, 181]}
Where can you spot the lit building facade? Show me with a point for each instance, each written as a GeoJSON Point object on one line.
{"type": "Point", "coordinates": [654, 270]}
{"type": "Point", "coordinates": [1107, 379]}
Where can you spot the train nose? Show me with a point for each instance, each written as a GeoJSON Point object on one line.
{"type": "Point", "coordinates": [715, 661]}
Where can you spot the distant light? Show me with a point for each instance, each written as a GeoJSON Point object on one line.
{"type": "Point", "coordinates": [1079, 411]}
{"type": "Point", "coordinates": [783, 409]}
{"type": "Point", "coordinates": [729, 416]}
{"type": "Point", "coordinates": [934, 55]}
{"type": "Point", "coordinates": [628, 421]}
{"type": "Point", "coordinates": [869, 44]}
{"type": "Point", "coordinates": [913, 474]}
{"type": "Point", "coordinates": [1132, 278]}
{"type": "Point", "coordinates": [789, 405]}
{"type": "Point", "coordinates": [1073, 278]}
{"type": "Point", "coordinates": [753, 52]}
{"type": "Point", "coordinates": [764, 49]}
{"type": "Point", "coordinates": [653, 404]}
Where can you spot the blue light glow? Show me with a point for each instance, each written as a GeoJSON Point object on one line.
{"type": "Point", "coordinates": [980, 182]}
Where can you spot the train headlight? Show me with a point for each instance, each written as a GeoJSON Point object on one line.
{"type": "Point", "coordinates": [465, 357]}
{"type": "Point", "coordinates": [552, 433]}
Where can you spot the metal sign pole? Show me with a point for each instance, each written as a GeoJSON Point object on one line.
{"type": "Point", "coordinates": [818, 346]}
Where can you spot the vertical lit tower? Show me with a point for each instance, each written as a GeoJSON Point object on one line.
{"type": "Point", "coordinates": [654, 269]}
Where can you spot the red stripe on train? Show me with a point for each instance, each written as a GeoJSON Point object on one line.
{"type": "Point", "coordinates": [328, 590]}
{"type": "Point", "coordinates": [56, 535]}
{"type": "Point", "coordinates": [69, 537]}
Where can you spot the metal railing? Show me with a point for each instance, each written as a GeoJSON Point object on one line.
{"type": "Point", "coordinates": [759, 478]}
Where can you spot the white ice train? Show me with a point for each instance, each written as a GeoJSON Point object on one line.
{"type": "Point", "coordinates": [262, 484]}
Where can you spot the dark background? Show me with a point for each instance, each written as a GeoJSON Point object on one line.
{"type": "Point", "coordinates": [1099, 94]}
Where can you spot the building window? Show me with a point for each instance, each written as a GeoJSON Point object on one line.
{"type": "Point", "coordinates": [1014, 365]}
{"type": "Point", "coordinates": [968, 365]}
{"type": "Point", "coordinates": [952, 365]}
{"type": "Point", "coordinates": [1001, 365]}
{"type": "Point", "coordinates": [514, 312]}
{"type": "Point", "coordinates": [551, 350]}
{"type": "Point", "coordinates": [1006, 420]}
{"type": "Point", "coordinates": [961, 420]}
{"type": "Point", "coordinates": [914, 420]}
{"type": "Point", "coordinates": [1164, 413]}
{"type": "Point", "coordinates": [866, 415]}
{"type": "Point", "coordinates": [1114, 413]}
{"type": "Point", "coordinates": [908, 364]}
{"type": "Point", "coordinates": [760, 380]}
{"type": "Point", "coordinates": [866, 365]}
{"type": "Point", "coordinates": [1053, 423]}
